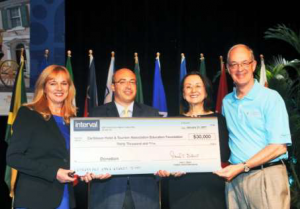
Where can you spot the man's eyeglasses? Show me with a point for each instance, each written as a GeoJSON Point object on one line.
{"type": "Point", "coordinates": [235, 65]}
{"type": "Point", "coordinates": [124, 82]}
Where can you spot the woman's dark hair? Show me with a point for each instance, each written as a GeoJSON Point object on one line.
{"type": "Point", "coordinates": [207, 105]}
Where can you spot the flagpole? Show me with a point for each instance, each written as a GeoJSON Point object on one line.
{"type": "Point", "coordinates": [42, 65]}
{"type": "Point", "coordinates": [11, 119]}
{"type": "Point", "coordinates": [69, 65]}
{"type": "Point", "coordinates": [262, 75]}
{"type": "Point", "coordinates": [220, 102]}
{"type": "Point", "coordinates": [262, 60]}
{"type": "Point", "coordinates": [157, 57]}
{"type": "Point", "coordinates": [201, 60]}
{"type": "Point", "coordinates": [202, 65]}
{"type": "Point", "coordinates": [91, 55]}
{"type": "Point", "coordinates": [22, 54]}
{"type": "Point", "coordinates": [89, 184]}
{"type": "Point", "coordinates": [85, 115]}
{"type": "Point", "coordinates": [159, 97]}
{"type": "Point", "coordinates": [139, 87]}
{"type": "Point", "coordinates": [159, 183]}
{"type": "Point", "coordinates": [46, 53]}
{"type": "Point", "coordinates": [136, 59]}
{"type": "Point", "coordinates": [86, 108]}
{"type": "Point", "coordinates": [182, 59]}
{"type": "Point", "coordinates": [182, 74]}
{"type": "Point", "coordinates": [222, 89]}
{"type": "Point", "coordinates": [108, 97]}
{"type": "Point", "coordinates": [221, 61]}
{"type": "Point", "coordinates": [201, 57]}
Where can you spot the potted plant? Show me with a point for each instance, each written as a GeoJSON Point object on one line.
{"type": "Point", "coordinates": [279, 78]}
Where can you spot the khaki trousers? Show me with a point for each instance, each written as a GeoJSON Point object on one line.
{"type": "Point", "coordinates": [267, 188]}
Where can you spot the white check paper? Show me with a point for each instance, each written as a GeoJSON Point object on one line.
{"type": "Point", "coordinates": [144, 145]}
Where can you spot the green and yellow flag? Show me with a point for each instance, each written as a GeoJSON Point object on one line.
{"type": "Point", "coordinates": [69, 65]}
{"type": "Point", "coordinates": [18, 98]}
{"type": "Point", "coordinates": [139, 94]}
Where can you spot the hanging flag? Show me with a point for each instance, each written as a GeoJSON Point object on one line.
{"type": "Point", "coordinates": [108, 92]}
{"type": "Point", "coordinates": [139, 88]}
{"type": "Point", "coordinates": [202, 65]}
{"type": "Point", "coordinates": [42, 66]}
{"type": "Point", "coordinates": [223, 90]}
{"type": "Point", "coordinates": [69, 68]}
{"type": "Point", "coordinates": [18, 98]}
{"type": "Point", "coordinates": [91, 99]}
{"type": "Point", "coordinates": [263, 74]}
{"type": "Point", "coordinates": [182, 67]}
{"type": "Point", "coordinates": [44, 62]}
{"type": "Point", "coordinates": [182, 74]}
{"type": "Point", "coordinates": [159, 97]}
{"type": "Point", "coordinates": [69, 65]}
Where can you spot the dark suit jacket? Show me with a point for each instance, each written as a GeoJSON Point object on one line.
{"type": "Point", "coordinates": [37, 150]}
{"type": "Point", "coordinates": [110, 193]}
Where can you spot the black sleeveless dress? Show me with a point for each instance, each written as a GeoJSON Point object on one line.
{"type": "Point", "coordinates": [201, 190]}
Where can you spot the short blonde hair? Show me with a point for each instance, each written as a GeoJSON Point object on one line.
{"type": "Point", "coordinates": [40, 103]}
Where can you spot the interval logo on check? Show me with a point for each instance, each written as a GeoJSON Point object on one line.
{"type": "Point", "coordinates": [86, 125]}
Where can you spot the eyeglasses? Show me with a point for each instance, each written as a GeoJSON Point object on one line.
{"type": "Point", "coordinates": [124, 82]}
{"type": "Point", "coordinates": [235, 65]}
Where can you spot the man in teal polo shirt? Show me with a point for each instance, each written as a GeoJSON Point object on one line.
{"type": "Point", "coordinates": [259, 134]}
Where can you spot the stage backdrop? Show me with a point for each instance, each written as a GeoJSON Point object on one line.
{"type": "Point", "coordinates": [34, 25]}
{"type": "Point", "coordinates": [47, 32]}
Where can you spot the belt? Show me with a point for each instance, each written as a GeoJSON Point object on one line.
{"type": "Point", "coordinates": [280, 162]}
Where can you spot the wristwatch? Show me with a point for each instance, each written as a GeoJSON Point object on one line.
{"type": "Point", "coordinates": [246, 167]}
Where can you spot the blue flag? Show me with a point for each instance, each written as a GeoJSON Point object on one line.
{"type": "Point", "coordinates": [159, 97]}
{"type": "Point", "coordinates": [43, 64]}
{"type": "Point", "coordinates": [182, 74]}
{"type": "Point", "coordinates": [182, 68]}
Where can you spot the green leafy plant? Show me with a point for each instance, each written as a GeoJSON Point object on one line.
{"type": "Point", "coordinates": [284, 33]}
{"type": "Point", "coordinates": [278, 78]}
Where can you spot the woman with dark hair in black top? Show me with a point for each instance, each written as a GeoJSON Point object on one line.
{"type": "Point", "coordinates": [199, 190]}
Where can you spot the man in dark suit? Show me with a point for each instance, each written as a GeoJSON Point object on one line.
{"type": "Point", "coordinates": [133, 191]}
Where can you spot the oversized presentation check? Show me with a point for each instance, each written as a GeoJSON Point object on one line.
{"type": "Point", "coordinates": [144, 145]}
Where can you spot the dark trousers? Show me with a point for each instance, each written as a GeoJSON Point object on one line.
{"type": "Point", "coordinates": [128, 201]}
